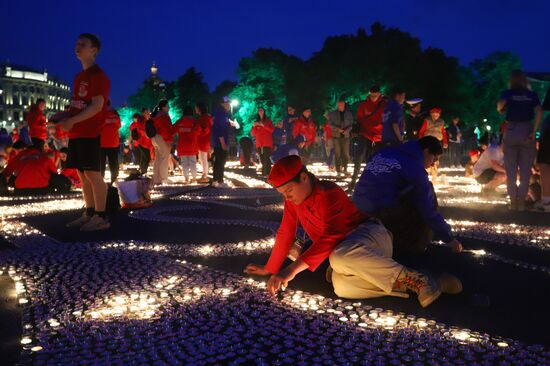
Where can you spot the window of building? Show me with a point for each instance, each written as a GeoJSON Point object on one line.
{"type": "Point", "coordinates": [24, 89]}
{"type": "Point", "coordinates": [15, 89]}
{"type": "Point", "coordinates": [16, 100]}
{"type": "Point", "coordinates": [25, 100]}
{"type": "Point", "coordinates": [31, 89]}
{"type": "Point", "coordinates": [16, 115]}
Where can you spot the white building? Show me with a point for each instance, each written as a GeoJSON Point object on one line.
{"type": "Point", "coordinates": [21, 86]}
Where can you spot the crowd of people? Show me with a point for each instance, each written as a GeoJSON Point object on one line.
{"type": "Point", "coordinates": [393, 207]}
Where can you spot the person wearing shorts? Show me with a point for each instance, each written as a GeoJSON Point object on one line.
{"type": "Point", "coordinates": [88, 105]}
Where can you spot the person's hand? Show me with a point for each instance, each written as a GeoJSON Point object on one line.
{"type": "Point", "coordinates": [279, 280]}
{"type": "Point", "coordinates": [455, 246]}
{"type": "Point", "coordinates": [66, 124]}
{"type": "Point", "coordinates": [445, 146]}
{"type": "Point", "coordinates": [256, 269]}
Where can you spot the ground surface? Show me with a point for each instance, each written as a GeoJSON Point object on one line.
{"type": "Point", "coordinates": [165, 286]}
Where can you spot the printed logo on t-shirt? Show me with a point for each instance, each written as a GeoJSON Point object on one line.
{"type": "Point", "coordinates": [381, 165]}
{"type": "Point", "coordinates": [83, 89]}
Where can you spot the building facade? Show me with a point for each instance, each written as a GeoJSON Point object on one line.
{"type": "Point", "coordinates": [22, 86]}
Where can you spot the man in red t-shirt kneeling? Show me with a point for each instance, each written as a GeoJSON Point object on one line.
{"type": "Point", "coordinates": [33, 172]}
{"type": "Point", "coordinates": [358, 247]}
{"type": "Point", "coordinates": [87, 113]}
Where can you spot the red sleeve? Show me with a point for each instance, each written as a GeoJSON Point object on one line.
{"type": "Point", "coordinates": [284, 239]}
{"type": "Point", "coordinates": [254, 130]}
{"type": "Point", "coordinates": [12, 166]}
{"type": "Point", "coordinates": [445, 137]}
{"type": "Point", "coordinates": [360, 113]}
{"type": "Point", "coordinates": [100, 85]}
{"type": "Point", "coordinates": [330, 207]}
{"type": "Point", "coordinates": [269, 126]}
{"type": "Point", "coordinates": [51, 166]}
{"type": "Point", "coordinates": [423, 129]}
{"type": "Point", "coordinates": [207, 126]}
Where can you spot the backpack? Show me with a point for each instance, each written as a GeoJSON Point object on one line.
{"type": "Point", "coordinates": [150, 129]}
{"type": "Point", "coordinates": [113, 200]}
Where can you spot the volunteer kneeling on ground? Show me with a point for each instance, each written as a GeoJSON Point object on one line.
{"type": "Point", "coordinates": [395, 188]}
{"type": "Point", "coordinates": [33, 172]}
{"type": "Point", "coordinates": [359, 247]}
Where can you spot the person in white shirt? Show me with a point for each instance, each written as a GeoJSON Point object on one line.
{"type": "Point", "coordinates": [489, 169]}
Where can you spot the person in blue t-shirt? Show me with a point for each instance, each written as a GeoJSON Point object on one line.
{"type": "Point", "coordinates": [393, 119]}
{"type": "Point", "coordinates": [521, 107]}
{"type": "Point", "coordinates": [220, 141]}
{"type": "Point", "coordinates": [395, 188]}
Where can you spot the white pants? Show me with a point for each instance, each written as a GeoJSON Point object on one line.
{"type": "Point", "coordinates": [162, 156]}
{"type": "Point", "coordinates": [189, 162]}
{"type": "Point", "coordinates": [203, 157]}
{"type": "Point", "coordinates": [362, 263]}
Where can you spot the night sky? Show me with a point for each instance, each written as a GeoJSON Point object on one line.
{"type": "Point", "coordinates": [213, 35]}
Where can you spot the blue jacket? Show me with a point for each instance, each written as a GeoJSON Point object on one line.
{"type": "Point", "coordinates": [220, 127]}
{"type": "Point", "coordinates": [394, 171]}
{"type": "Point", "coordinates": [284, 150]}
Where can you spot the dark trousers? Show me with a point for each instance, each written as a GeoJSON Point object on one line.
{"type": "Point", "coordinates": [265, 158]}
{"type": "Point", "coordinates": [219, 157]}
{"type": "Point", "coordinates": [136, 152]}
{"type": "Point", "coordinates": [454, 151]}
{"type": "Point", "coordinates": [411, 233]}
{"type": "Point", "coordinates": [110, 153]}
{"type": "Point", "coordinates": [38, 143]}
{"type": "Point", "coordinates": [341, 154]}
{"type": "Point", "coordinates": [362, 148]}
{"type": "Point", "coordinates": [144, 159]}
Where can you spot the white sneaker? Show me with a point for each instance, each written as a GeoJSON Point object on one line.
{"type": "Point", "coordinates": [96, 223]}
{"type": "Point", "coordinates": [223, 185]}
{"type": "Point", "coordinates": [79, 222]}
{"type": "Point", "coordinates": [215, 184]}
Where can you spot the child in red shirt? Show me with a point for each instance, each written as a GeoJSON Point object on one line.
{"type": "Point", "coordinates": [188, 129]}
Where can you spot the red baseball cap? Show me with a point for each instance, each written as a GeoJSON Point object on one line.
{"type": "Point", "coordinates": [284, 170]}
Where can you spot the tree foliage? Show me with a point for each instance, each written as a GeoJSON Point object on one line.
{"type": "Point", "coordinates": [345, 67]}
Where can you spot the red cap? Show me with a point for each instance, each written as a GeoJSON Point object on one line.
{"type": "Point", "coordinates": [284, 170]}
{"type": "Point", "coordinates": [473, 152]}
{"type": "Point", "coordinates": [435, 110]}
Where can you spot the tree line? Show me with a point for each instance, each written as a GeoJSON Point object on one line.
{"type": "Point", "coordinates": [345, 67]}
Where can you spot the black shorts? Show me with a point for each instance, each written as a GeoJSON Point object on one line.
{"type": "Point", "coordinates": [84, 154]}
{"type": "Point", "coordinates": [486, 176]}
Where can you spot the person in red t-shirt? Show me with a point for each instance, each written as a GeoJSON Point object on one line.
{"type": "Point", "coordinates": [88, 105]}
{"type": "Point", "coordinates": [306, 127]}
{"type": "Point", "coordinates": [110, 142]}
{"type": "Point", "coordinates": [358, 247]}
{"type": "Point", "coordinates": [188, 130]}
{"type": "Point", "coordinates": [142, 144]}
{"type": "Point", "coordinates": [205, 123]}
{"type": "Point", "coordinates": [263, 131]}
{"type": "Point", "coordinates": [368, 132]}
{"type": "Point", "coordinates": [33, 172]}
{"type": "Point", "coordinates": [36, 120]}
{"type": "Point", "coordinates": [162, 142]}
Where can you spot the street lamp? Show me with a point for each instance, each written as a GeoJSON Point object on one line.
{"type": "Point", "coordinates": [233, 103]}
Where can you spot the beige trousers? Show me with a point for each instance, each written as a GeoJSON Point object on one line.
{"type": "Point", "coordinates": [162, 156]}
{"type": "Point", "coordinates": [362, 263]}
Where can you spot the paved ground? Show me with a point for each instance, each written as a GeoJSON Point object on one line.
{"type": "Point", "coordinates": [126, 296]}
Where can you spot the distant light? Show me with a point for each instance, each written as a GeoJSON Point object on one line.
{"type": "Point", "coordinates": [488, 128]}
{"type": "Point", "coordinates": [484, 119]}
{"type": "Point", "coordinates": [234, 103]}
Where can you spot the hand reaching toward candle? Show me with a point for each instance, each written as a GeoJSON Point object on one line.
{"type": "Point", "coordinates": [455, 246]}
{"type": "Point", "coordinates": [256, 269]}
